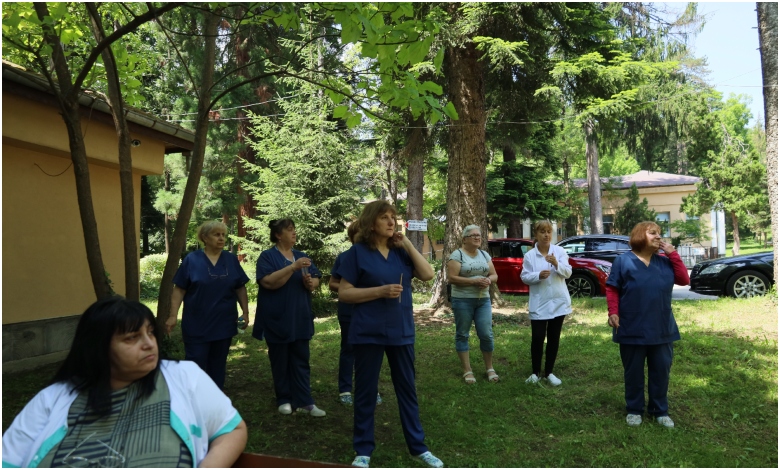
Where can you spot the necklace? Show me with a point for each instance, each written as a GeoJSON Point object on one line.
{"type": "Point", "coordinates": [285, 258]}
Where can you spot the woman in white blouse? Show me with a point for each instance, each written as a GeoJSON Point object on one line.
{"type": "Point", "coordinates": [545, 270]}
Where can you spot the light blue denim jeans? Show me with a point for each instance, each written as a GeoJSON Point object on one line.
{"type": "Point", "coordinates": [479, 312]}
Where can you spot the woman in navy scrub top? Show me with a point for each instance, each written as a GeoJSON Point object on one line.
{"type": "Point", "coordinates": [209, 282]}
{"type": "Point", "coordinates": [639, 299]}
{"type": "Point", "coordinates": [287, 278]}
{"type": "Point", "coordinates": [376, 275]}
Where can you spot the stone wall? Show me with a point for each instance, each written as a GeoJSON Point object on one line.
{"type": "Point", "coordinates": [27, 345]}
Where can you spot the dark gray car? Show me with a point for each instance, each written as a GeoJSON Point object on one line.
{"type": "Point", "coordinates": [603, 247]}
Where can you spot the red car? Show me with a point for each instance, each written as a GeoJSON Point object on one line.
{"type": "Point", "coordinates": [588, 277]}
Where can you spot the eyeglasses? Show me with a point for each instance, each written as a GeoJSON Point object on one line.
{"type": "Point", "coordinates": [473, 237]}
{"type": "Point", "coordinates": [218, 276]}
{"type": "Point", "coordinates": [116, 460]}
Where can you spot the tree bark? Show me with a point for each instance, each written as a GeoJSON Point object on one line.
{"type": "Point", "coordinates": [466, 175]}
{"type": "Point", "coordinates": [210, 22]}
{"type": "Point", "coordinates": [414, 197]}
{"type": "Point", "coordinates": [67, 96]}
{"type": "Point", "coordinates": [767, 35]}
{"type": "Point", "coordinates": [735, 224]}
{"type": "Point", "coordinates": [414, 153]}
{"type": "Point", "coordinates": [116, 104]}
{"type": "Point", "coordinates": [594, 182]}
{"type": "Point", "coordinates": [167, 220]}
{"type": "Point", "coordinates": [514, 227]}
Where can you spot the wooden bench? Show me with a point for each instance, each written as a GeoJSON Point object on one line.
{"type": "Point", "coordinates": [247, 460]}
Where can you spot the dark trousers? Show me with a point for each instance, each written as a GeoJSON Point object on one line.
{"type": "Point", "coordinates": [368, 362]}
{"type": "Point", "coordinates": [659, 364]}
{"type": "Point", "coordinates": [552, 330]}
{"type": "Point", "coordinates": [290, 370]}
{"type": "Point", "coordinates": [211, 357]}
{"type": "Point", "coordinates": [346, 359]}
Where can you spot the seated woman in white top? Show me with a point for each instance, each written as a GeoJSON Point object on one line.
{"type": "Point", "coordinates": [114, 403]}
{"type": "Point", "coordinates": [545, 270]}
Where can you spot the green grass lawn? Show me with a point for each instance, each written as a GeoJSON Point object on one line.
{"type": "Point", "coordinates": [722, 396]}
{"type": "Point", "coordinates": [747, 246]}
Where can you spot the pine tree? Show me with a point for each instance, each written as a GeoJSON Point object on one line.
{"type": "Point", "coordinates": [632, 212]}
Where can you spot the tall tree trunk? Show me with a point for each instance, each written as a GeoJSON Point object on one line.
{"type": "Point", "coordinates": [69, 105]}
{"type": "Point", "coordinates": [735, 223]}
{"type": "Point", "coordinates": [210, 22]}
{"type": "Point", "coordinates": [767, 35]}
{"type": "Point", "coordinates": [514, 227]}
{"type": "Point", "coordinates": [116, 104]}
{"type": "Point", "coordinates": [466, 176]}
{"type": "Point", "coordinates": [167, 220]}
{"type": "Point", "coordinates": [594, 182]}
{"type": "Point", "coordinates": [570, 227]}
{"type": "Point", "coordinates": [414, 153]}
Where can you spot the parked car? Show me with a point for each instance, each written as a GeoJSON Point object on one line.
{"type": "Point", "coordinates": [737, 276]}
{"type": "Point", "coordinates": [588, 278]}
{"type": "Point", "coordinates": [603, 247]}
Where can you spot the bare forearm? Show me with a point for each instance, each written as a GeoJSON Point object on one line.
{"type": "Point", "coordinates": [224, 450]}
{"type": "Point", "coordinates": [423, 269]}
{"type": "Point", "coordinates": [357, 295]}
{"type": "Point", "coordinates": [243, 299]}
{"type": "Point", "coordinates": [278, 278]}
{"type": "Point", "coordinates": [177, 297]}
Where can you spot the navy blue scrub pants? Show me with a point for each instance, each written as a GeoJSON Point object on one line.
{"type": "Point", "coordinates": [211, 357]}
{"type": "Point", "coordinates": [368, 363]}
{"type": "Point", "coordinates": [346, 359]}
{"type": "Point", "coordinates": [659, 364]}
{"type": "Point", "coordinates": [291, 372]}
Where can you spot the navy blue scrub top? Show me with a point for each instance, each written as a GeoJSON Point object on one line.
{"type": "Point", "coordinates": [210, 310]}
{"type": "Point", "coordinates": [345, 309]}
{"type": "Point", "coordinates": [645, 305]}
{"type": "Point", "coordinates": [380, 321]}
{"type": "Point", "coordinates": [283, 314]}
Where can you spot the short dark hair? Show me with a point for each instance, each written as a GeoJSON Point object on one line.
{"type": "Point", "coordinates": [277, 225]}
{"type": "Point", "coordinates": [371, 212]}
{"type": "Point", "coordinates": [88, 365]}
{"type": "Point", "coordinates": [638, 238]}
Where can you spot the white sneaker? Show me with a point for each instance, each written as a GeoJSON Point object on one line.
{"type": "Point", "coordinates": [633, 420]}
{"type": "Point", "coordinates": [532, 379]}
{"type": "Point", "coordinates": [430, 460]}
{"type": "Point", "coordinates": [314, 411]}
{"type": "Point", "coordinates": [554, 381]}
{"type": "Point", "coordinates": [361, 461]}
{"type": "Point", "coordinates": [285, 409]}
{"type": "Point", "coordinates": [665, 421]}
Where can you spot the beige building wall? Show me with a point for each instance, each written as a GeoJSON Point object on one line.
{"type": "Point", "coordinates": [660, 199]}
{"type": "Point", "coordinates": [45, 272]}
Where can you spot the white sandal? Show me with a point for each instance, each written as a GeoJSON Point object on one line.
{"type": "Point", "coordinates": [469, 380]}
{"type": "Point", "coordinates": [492, 378]}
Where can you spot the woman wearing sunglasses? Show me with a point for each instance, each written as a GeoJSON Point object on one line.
{"type": "Point", "coordinates": [470, 272]}
{"type": "Point", "coordinates": [210, 282]}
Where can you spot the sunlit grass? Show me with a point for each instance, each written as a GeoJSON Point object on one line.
{"type": "Point", "coordinates": [723, 395]}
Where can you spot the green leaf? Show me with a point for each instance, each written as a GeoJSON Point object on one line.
{"type": "Point", "coordinates": [449, 110]}
{"type": "Point", "coordinates": [431, 87]}
{"type": "Point", "coordinates": [340, 111]}
{"type": "Point", "coordinates": [353, 120]}
{"type": "Point", "coordinates": [437, 61]}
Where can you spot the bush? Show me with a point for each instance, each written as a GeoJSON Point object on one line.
{"type": "Point", "coordinates": [152, 267]}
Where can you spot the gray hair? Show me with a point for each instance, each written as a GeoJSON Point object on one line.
{"type": "Point", "coordinates": [205, 229]}
{"type": "Point", "coordinates": [468, 229]}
